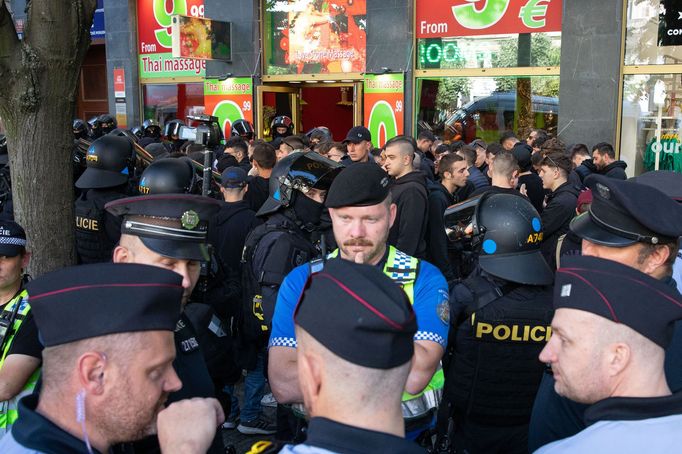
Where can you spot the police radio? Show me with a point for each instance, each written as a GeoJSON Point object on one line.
{"type": "Point", "coordinates": [7, 319]}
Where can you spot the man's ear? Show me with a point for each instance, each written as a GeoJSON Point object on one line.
{"type": "Point", "coordinates": [619, 356]}
{"type": "Point", "coordinates": [122, 255]}
{"type": "Point", "coordinates": [91, 369]}
{"type": "Point", "coordinates": [309, 378]}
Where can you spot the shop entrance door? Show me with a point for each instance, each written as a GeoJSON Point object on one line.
{"type": "Point", "coordinates": [337, 106]}
{"type": "Point", "coordinates": [274, 100]}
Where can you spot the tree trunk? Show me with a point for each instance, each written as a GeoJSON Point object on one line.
{"type": "Point", "coordinates": [524, 112]}
{"type": "Point", "coordinates": [37, 100]}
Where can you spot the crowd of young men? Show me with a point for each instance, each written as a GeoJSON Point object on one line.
{"type": "Point", "coordinates": [505, 297]}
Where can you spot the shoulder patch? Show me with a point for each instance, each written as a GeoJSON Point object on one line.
{"type": "Point", "coordinates": [443, 308]}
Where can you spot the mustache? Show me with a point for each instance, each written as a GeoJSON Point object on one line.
{"type": "Point", "coordinates": [358, 242]}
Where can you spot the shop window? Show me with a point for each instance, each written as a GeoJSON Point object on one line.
{"type": "Point", "coordinates": [654, 32]}
{"type": "Point", "coordinates": [314, 37]}
{"type": "Point", "coordinates": [164, 102]}
{"type": "Point", "coordinates": [651, 109]}
{"type": "Point", "coordinates": [463, 108]}
{"type": "Point", "coordinates": [500, 51]}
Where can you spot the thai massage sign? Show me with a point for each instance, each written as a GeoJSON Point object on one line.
{"type": "Point", "coordinates": [384, 97]}
{"type": "Point", "coordinates": [229, 100]}
{"type": "Point", "coordinates": [155, 46]}
{"type": "Point", "coordinates": [447, 18]}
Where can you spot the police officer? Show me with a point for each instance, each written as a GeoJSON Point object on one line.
{"type": "Point", "coordinates": [170, 231]}
{"type": "Point", "coordinates": [171, 134]}
{"type": "Point", "coordinates": [107, 123]}
{"type": "Point", "coordinates": [80, 129]}
{"type": "Point", "coordinates": [298, 185]}
{"type": "Point", "coordinates": [501, 315]}
{"type": "Point", "coordinates": [242, 128]}
{"type": "Point", "coordinates": [638, 226]}
{"type": "Point", "coordinates": [95, 128]}
{"type": "Point", "coordinates": [360, 356]}
{"type": "Point", "coordinates": [168, 176]}
{"type": "Point", "coordinates": [151, 133]}
{"type": "Point", "coordinates": [107, 329]}
{"type": "Point", "coordinates": [361, 211]}
{"type": "Point", "coordinates": [109, 165]}
{"type": "Point", "coordinates": [20, 348]}
{"type": "Point", "coordinates": [281, 126]}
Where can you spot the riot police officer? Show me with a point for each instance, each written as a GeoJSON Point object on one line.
{"type": "Point", "coordinates": [80, 129]}
{"type": "Point", "coordinates": [171, 133]}
{"type": "Point", "coordinates": [151, 133]}
{"type": "Point", "coordinates": [281, 127]}
{"type": "Point", "coordinates": [168, 176]}
{"type": "Point", "coordinates": [242, 128]}
{"type": "Point", "coordinates": [500, 318]}
{"type": "Point", "coordinates": [298, 186]}
{"type": "Point", "coordinates": [107, 123]}
{"type": "Point", "coordinates": [109, 163]}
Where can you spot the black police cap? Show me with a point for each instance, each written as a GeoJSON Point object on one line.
{"type": "Point", "coordinates": [666, 181]}
{"type": "Point", "coordinates": [359, 314]}
{"type": "Point", "coordinates": [624, 213]}
{"type": "Point", "coordinates": [361, 184]}
{"type": "Point", "coordinates": [620, 294]}
{"type": "Point", "coordinates": [87, 301]}
{"type": "Point", "coordinates": [108, 160]}
{"type": "Point", "coordinates": [12, 239]}
{"type": "Point", "coordinates": [173, 225]}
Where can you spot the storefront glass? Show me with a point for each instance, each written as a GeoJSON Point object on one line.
{"type": "Point", "coordinates": [463, 108]}
{"type": "Point", "coordinates": [314, 37]}
{"type": "Point", "coordinates": [164, 102]}
{"type": "Point", "coordinates": [651, 109]}
{"type": "Point", "coordinates": [654, 32]}
{"type": "Point", "coordinates": [501, 51]}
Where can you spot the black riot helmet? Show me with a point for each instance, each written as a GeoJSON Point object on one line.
{"type": "Point", "coordinates": [281, 121]}
{"type": "Point", "coordinates": [168, 176]}
{"type": "Point", "coordinates": [80, 129]}
{"type": "Point", "coordinates": [120, 132]}
{"type": "Point", "coordinates": [243, 129]}
{"type": "Point", "coordinates": [95, 128]}
{"type": "Point", "coordinates": [138, 132]}
{"type": "Point", "coordinates": [107, 123]}
{"type": "Point", "coordinates": [298, 172]}
{"type": "Point", "coordinates": [320, 134]}
{"type": "Point", "coordinates": [151, 128]}
{"type": "Point", "coordinates": [172, 128]}
{"type": "Point", "coordinates": [507, 234]}
{"type": "Point", "coordinates": [109, 163]}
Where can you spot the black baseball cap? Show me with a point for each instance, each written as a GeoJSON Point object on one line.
{"type": "Point", "coordinates": [623, 213]}
{"type": "Point", "coordinates": [12, 239]}
{"type": "Point", "coordinates": [233, 177]}
{"type": "Point", "coordinates": [359, 314]}
{"type": "Point", "coordinates": [619, 293]}
{"type": "Point", "coordinates": [357, 134]}
{"type": "Point", "coordinates": [362, 184]}
{"type": "Point", "coordinates": [82, 302]}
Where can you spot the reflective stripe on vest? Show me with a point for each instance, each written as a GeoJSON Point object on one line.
{"type": "Point", "coordinates": [8, 408]}
{"type": "Point", "coordinates": [402, 268]}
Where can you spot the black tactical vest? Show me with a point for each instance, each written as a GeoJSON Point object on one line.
{"type": "Point", "coordinates": [495, 371]}
{"type": "Point", "coordinates": [93, 245]}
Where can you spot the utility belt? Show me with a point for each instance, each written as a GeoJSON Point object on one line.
{"type": "Point", "coordinates": [416, 406]}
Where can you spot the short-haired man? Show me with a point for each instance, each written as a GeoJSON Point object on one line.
{"type": "Point", "coordinates": [604, 158]}
{"type": "Point", "coordinates": [410, 196]}
{"type": "Point", "coordinates": [425, 141]}
{"type": "Point", "coordinates": [353, 368]}
{"type": "Point", "coordinates": [528, 180]}
{"type": "Point", "coordinates": [263, 160]}
{"type": "Point", "coordinates": [481, 162]}
{"type": "Point", "coordinates": [239, 149]}
{"type": "Point", "coordinates": [624, 225]}
{"type": "Point", "coordinates": [20, 349]}
{"type": "Point", "coordinates": [560, 203]}
{"type": "Point", "coordinates": [359, 203]}
{"type": "Point", "coordinates": [170, 231]}
{"type": "Point", "coordinates": [358, 142]}
{"type": "Point", "coordinates": [582, 161]}
{"type": "Point", "coordinates": [453, 173]}
{"type": "Point", "coordinates": [536, 138]}
{"type": "Point", "coordinates": [475, 176]}
{"type": "Point", "coordinates": [508, 139]}
{"type": "Point", "coordinates": [504, 171]}
{"type": "Point", "coordinates": [609, 334]}
{"type": "Point", "coordinates": [108, 359]}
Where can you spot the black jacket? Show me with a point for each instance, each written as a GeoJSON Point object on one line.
{"type": "Point", "coordinates": [586, 168]}
{"type": "Point", "coordinates": [558, 212]}
{"type": "Point", "coordinates": [534, 189]}
{"type": "Point", "coordinates": [229, 229]}
{"type": "Point", "coordinates": [409, 229]}
{"type": "Point", "coordinates": [259, 189]}
{"type": "Point", "coordinates": [615, 170]}
{"type": "Point", "coordinates": [436, 239]}
{"type": "Point", "coordinates": [427, 166]}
